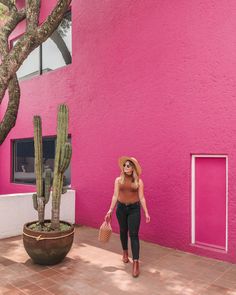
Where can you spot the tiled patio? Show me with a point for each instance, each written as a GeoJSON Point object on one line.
{"type": "Point", "coordinates": [94, 268]}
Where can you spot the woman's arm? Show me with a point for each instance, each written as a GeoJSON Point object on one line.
{"type": "Point", "coordinates": [143, 201]}
{"type": "Point", "coordinates": [113, 200]}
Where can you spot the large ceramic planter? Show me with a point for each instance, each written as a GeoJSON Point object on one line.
{"type": "Point", "coordinates": [47, 248]}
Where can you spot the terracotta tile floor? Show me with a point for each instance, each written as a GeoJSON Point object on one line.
{"type": "Point", "coordinates": [94, 268]}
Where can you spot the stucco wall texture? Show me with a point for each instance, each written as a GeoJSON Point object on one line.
{"type": "Point", "coordinates": [152, 79]}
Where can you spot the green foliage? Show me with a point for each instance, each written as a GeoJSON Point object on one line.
{"type": "Point", "coordinates": [3, 12]}
{"type": "Point", "coordinates": [64, 26]}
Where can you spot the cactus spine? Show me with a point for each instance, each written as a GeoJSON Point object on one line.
{"type": "Point", "coordinates": [41, 198]}
{"type": "Point", "coordinates": [62, 161]}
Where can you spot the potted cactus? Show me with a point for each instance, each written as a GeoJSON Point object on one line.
{"type": "Point", "coordinates": [48, 241]}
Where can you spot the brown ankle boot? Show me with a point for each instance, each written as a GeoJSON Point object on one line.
{"type": "Point", "coordinates": [136, 271]}
{"type": "Point", "coordinates": [125, 257]}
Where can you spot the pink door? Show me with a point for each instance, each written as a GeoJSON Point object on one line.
{"type": "Point", "coordinates": [210, 202]}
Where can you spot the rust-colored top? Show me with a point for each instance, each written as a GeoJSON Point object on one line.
{"type": "Point", "coordinates": [128, 193]}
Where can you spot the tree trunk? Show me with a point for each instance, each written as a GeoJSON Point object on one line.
{"type": "Point", "coordinates": [34, 35]}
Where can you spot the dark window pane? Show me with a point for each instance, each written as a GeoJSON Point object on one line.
{"type": "Point", "coordinates": [23, 160]}
{"type": "Point", "coordinates": [48, 153]}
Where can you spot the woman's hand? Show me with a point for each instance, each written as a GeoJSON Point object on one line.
{"type": "Point", "coordinates": [148, 218]}
{"type": "Point", "coordinates": [108, 216]}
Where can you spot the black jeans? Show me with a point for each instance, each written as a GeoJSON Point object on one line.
{"type": "Point", "coordinates": [129, 220]}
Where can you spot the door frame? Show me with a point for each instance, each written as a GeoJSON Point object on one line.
{"type": "Point", "coordinates": [193, 166]}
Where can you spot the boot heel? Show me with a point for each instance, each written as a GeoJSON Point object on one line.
{"type": "Point", "coordinates": [136, 270]}
{"type": "Point", "coordinates": [125, 257]}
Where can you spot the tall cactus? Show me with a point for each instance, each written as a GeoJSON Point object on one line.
{"type": "Point", "coordinates": [62, 161]}
{"type": "Point", "coordinates": [41, 198]}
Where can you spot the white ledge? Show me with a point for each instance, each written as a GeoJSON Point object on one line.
{"type": "Point", "coordinates": [17, 209]}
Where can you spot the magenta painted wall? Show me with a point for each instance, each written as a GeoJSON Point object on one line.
{"type": "Point", "coordinates": [152, 79]}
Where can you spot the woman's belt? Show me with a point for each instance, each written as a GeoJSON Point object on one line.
{"type": "Point", "coordinates": [129, 204]}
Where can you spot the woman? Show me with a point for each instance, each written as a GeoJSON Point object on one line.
{"type": "Point", "coordinates": [128, 195]}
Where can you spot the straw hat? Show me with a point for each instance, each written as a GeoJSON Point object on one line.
{"type": "Point", "coordinates": [123, 159]}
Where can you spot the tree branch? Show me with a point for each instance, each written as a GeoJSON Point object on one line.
{"type": "Point", "coordinates": [54, 19]}
{"type": "Point", "coordinates": [9, 119]}
{"type": "Point", "coordinates": [14, 18]}
{"type": "Point", "coordinates": [32, 14]}
{"type": "Point", "coordinates": [13, 59]}
{"type": "Point", "coordinates": [28, 42]}
{"type": "Point", "coordinates": [9, 4]}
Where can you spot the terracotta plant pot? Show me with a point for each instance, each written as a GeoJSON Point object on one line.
{"type": "Point", "coordinates": [47, 248]}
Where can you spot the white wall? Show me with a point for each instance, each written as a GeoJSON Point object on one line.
{"type": "Point", "coordinates": [17, 209]}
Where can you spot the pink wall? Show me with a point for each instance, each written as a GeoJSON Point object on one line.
{"type": "Point", "coordinates": [153, 79]}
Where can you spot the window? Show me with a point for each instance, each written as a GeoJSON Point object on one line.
{"type": "Point", "coordinates": [54, 53]}
{"type": "Point", "coordinates": [23, 160]}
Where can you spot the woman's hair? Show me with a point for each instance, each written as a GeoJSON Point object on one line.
{"type": "Point", "coordinates": [134, 175]}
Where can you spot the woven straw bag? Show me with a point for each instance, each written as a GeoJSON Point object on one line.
{"type": "Point", "coordinates": [105, 232]}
